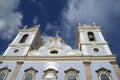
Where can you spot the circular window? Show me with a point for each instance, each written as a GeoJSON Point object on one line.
{"type": "Point", "coordinates": [15, 51]}
{"type": "Point", "coordinates": [96, 49]}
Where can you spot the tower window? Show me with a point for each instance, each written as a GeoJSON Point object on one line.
{"type": "Point", "coordinates": [24, 38]}
{"type": "Point", "coordinates": [91, 36]}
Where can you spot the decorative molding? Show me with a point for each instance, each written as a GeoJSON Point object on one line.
{"type": "Point", "coordinates": [62, 58]}
{"type": "Point", "coordinates": [50, 69]}
{"type": "Point", "coordinates": [6, 67]}
{"type": "Point", "coordinates": [103, 69]}
{"type": "Point", "coordinates": [71, 69]}
{"type": "Point", "coordinates": [20, 62]}
{"type": "Point", "coordinates": [113, 62]}
{"type": "Point", "coordinates": [31, 68]}
{"type": "Point", "coordinates": [86, 62]}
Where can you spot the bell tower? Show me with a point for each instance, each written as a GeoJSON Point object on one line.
{"type": "Point", "coordinates": [91, 40]}
{"type": "Point", "coordinates": [27, 39]}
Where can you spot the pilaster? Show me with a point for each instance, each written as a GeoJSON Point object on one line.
{"type": "Point", "coordinates": [116, 68]}
{"type": "Point", "coordinates": [16, 70]}
{"type": "Point", "coordinates": [87, 70]}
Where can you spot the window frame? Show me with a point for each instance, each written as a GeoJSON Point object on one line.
{"type": "Point", "coordinates": [6, 70]}
{"type": "Point", "coordinates": [71, 70]}
{"type": "Point", "coordinates": [50, 70]}
{"type": "Point", "coordinates": [103, 70]}
{"type": "Point", "coordinates": [24, 38]}
{"type": "Point", "coordinates": [90, 32]}
{"type": "Point", "coordinates": [30, 70]}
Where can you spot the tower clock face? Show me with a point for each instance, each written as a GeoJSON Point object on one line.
{"type": "Point", "coordinates": [95, 49]}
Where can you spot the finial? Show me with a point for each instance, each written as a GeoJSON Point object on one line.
{"type": "Point", "coordinates": [94, 24]}
{"type": "Point", "coordinates": [25, 27]}
{"type": "Point", "coordinates": [38, 25]}
{"type": "Point", "coordinates": [79, 24]}
{"type": "Point", "coordinates": [57, 32]}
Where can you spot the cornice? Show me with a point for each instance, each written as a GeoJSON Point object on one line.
{"type": "Point", "coordinates": [20, 44]}
{"type": "Point", "coordinates": [88, 28]}
{"type": "Point", "coordinates": [28, 30]}
{"type": "Point", "coordinates": [97, 43]}
{"type": "Point", "coordinates": [59, 58]}
{"type": "Point", "coordinates": [20, 62]}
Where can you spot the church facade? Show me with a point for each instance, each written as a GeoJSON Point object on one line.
{"type": "Point", "coordinates": [27, 58]}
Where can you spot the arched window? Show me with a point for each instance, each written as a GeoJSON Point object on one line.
{"type": "Point", "coordinates": [104, 74]}
{"type": "Point", "coordinates": [71, 74]}
{"type": "Point", "coordinates": [30, 74]}
{"type": "Point", "coordinates": [3, 73]}
{"type": "Point", "coordinates": [23, 39]}
{"type": "Point", "coordinates": [50, 74]}
{"type": "Point", "coordinates": [91, 36]}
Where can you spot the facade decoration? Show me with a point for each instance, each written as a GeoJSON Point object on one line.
{"type": "Point", "coordinates": [28, 58]}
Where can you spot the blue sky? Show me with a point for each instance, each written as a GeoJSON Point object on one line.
{"type": "Point", "coordinates": [62, 15]}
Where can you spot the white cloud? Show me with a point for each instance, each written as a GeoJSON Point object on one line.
{"type": "Point", "coordinates": [46, 38]}
{"type": "Point", "coordinates": [103, 12]}
{"type": "Point", "coordinates": [50, 26]}
{"type": "Point", "coordinates": [10, 19]}
{"type": "Point", "coordinates": [89, 11]}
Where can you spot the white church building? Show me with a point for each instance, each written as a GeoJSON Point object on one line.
{"type": "Point", "coordinates": [27, 58]}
